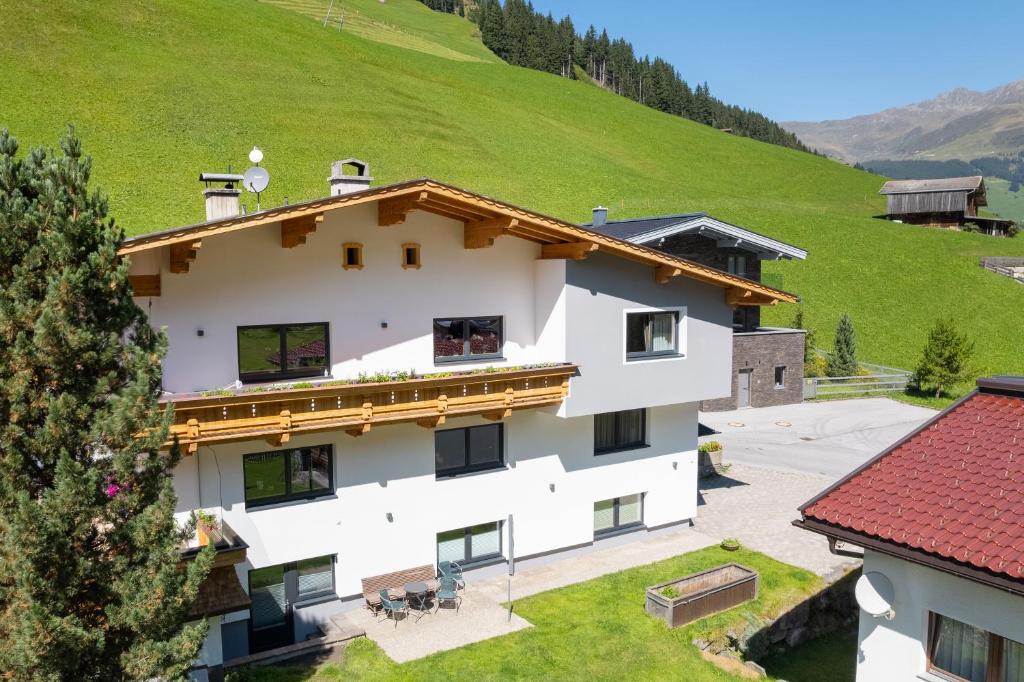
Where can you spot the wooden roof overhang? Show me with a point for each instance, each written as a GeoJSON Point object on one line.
{"type": "Point", "coordinates": [276, 415]}
{"type": "Point", "coordinates": [485, 220]}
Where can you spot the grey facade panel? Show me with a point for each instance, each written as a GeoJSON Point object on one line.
{"type": "Point", "coordinates": [598, 292]}
{"type": "Point", "coordinates": [235, 639]}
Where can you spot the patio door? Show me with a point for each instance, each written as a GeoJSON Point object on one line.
{"type": "Point", "coordinates": [271, 611]}
{"type": "Point", "coordinates": [743, 388]}
{"type": "Point", "coordinates": [276, 591]}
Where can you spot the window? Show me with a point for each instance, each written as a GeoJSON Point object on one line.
{"type": "Point", "coordinates": [304, 348]}
{"type": "Point", "coordinates": [651, 334]}
{"type": "Point", "coordinates": [352, 256]}
{"type": "Point", "coordinates": [460, 451]}
{"type": "Point", "coordinates": [738, 265]}
{"type": "Point", "coordinates": [283, 475]}
{"type": "Point", "coordinates": [961, 652]}
{"type": "Point", "coordinates": [624, 430]}
{"type": "Point", "coordinates": [470, 545]}
{"type": "Point", "coordinates": [467, 338]}
{"type": "Point", "coordinates": [780, 377]}
{"type": "Point", "coordinates": [618, 513]}
{"type": "Point", "coordinates": [411, 256]}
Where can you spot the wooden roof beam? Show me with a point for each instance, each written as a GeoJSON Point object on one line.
{"type": "Point", "coordinates": [145, 285]}
{"type": "Point", "coordinates": [663, 273]}
{"type": "Point", "coordinates": [295, 230]}
{"type": "Point", "coordinates": [392, 211]}
{"type": "Point", "coordinates": [480, 234]}
{"type": "Point", "coordinates": [569, 250]}
{"type": "Point", "coordinates": [737, 296]}
{"type": "Point", "coordinates": [182, 255]}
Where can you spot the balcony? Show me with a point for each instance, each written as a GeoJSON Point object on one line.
{"type": "Point", "coordinates": [276, 413]}
{"type": "Point", "coordinates": [221, 592]}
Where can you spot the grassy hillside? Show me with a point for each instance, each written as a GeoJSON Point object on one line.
{"type": "Point", "coordinates": [1004, 202]}
{"type": "Point", "coordinates": [164, 89]}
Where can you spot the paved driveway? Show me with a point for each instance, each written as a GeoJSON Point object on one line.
{"type": "Point", "coordinates": [783, 456]}
{"type": "Point", "coordinates": [825, 438]}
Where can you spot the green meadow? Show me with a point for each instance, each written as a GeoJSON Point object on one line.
{"type": "Point", "coordinates": [164, 89]}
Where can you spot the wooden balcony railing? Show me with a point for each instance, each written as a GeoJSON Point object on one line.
{"type": "Point", "coordinates": [274, 415]}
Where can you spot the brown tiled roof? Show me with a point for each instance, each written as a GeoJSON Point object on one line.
{"type": "Point", "coordinates": [953, 490]}
{"type": "Point", "coordinates": [220, 593]}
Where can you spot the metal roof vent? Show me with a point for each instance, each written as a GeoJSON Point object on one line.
{"type": "Point", "coordinates": [600, 216]}
{"type": "Point", "coordinates": [349, 175]}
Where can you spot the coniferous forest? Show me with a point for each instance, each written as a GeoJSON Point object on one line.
{"type": "Point", "coordinates": [522, 36]}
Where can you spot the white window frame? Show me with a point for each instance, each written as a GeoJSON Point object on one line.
{"type": "Point", "coordinates": [680, 353]}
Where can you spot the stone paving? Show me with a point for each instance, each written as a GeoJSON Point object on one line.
{"type": "Point", "coordinates": [757, 506]}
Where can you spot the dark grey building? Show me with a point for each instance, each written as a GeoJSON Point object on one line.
{"type": "Point", "coordinates": [767, 362]}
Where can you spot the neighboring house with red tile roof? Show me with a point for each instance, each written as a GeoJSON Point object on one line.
{"type": "Point", "coordinates": [940, 514]}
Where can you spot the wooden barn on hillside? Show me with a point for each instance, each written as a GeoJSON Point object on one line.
{"type": "Point", "coordinates": [945, 202]}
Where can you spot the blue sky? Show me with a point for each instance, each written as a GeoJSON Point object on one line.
{"type": "Point", "coordinates": [799, 60]}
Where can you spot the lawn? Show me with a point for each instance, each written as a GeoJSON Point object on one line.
{"type": "Point", "coordinates": [164, 89]}
{"type": "Point", "coordinates": [595, 630]}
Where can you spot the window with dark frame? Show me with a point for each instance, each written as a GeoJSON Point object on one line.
{"type": "Point", "coordinates": [474, 448]}
{"type": "Point", "coordinates": [618, 513]}
{"type": "Point", "coordinates": [960, 652]}
{"type": "Point", "coordinates": [615, 431]}
{"type": "Point", "coordinates": [467, 338]}
{"type": "Point", "coordinates": [275, 590]}
{"type": "Point", "coordinates": [650, 334]}
{"type": "Point", "coordinates": [780, 377]}
{"type": "Point", "coordinates": [283, 351]}
{"type": "Point", "coordinates": [738, 265]}
{"type": "Point", "coordinates": [467, 546]}
{"type": "Point", "coordinates": [286, 475]}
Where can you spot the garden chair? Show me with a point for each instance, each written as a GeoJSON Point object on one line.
{"type": "Point", "coordinates": [446, 592]}
{"type": "Point", "coordinates": [392, 607]}
{"type": "Point", "coordinates": [452, 570]}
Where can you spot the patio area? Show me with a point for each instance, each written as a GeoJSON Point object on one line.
{"type": "Point", "coordinates": [481, 615]}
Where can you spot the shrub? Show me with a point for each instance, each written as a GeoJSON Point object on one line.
{"type": "Point", "coordinates": [710, 446]}
{"type": "Point", "coordinates": [670, 592]}
{"type": "Point", "coordinates": [945, 359]}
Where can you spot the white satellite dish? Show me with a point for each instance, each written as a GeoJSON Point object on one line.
{"type": "Point", "coordinates": [256, 179]}
{"type": "Point", "coordinates": [875, 594]}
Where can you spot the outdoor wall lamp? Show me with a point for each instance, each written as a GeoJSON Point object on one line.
{"type": "Point", "coordinates": [551, 487]}
{"type": "Point", "coordinates": [390, 517]}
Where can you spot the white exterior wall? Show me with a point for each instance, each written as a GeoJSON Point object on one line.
{"type": "Point", "coordinates": [247, 278]}
{"type": "Point", "coordinates": [895, 651]}
{"type": "Point", "coordinates": [392, 470]}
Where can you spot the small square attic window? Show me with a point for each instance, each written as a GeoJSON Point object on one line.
{"type": "Point", "coordinates": [411, 256]}
{"type": "Point", "coordinates": [352, 256]}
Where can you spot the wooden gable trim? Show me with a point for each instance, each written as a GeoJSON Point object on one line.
{"type": "Point", "coordinates": [182, 255]}
{"type": "Point", "coordinates": [482, 233]}
{"type": "Point", "coordinates": [568, 250]}
{"type": "Point", "coordinates": [396, 201]}
{"type": "Point", "coordinates": [144, 285]}
{"type": "Point", "coordinates": [295, 230]}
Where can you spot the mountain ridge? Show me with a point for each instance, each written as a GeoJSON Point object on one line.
{"type": "Point", "coordinates": [959, 123]}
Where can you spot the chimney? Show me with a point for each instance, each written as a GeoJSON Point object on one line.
{"type": "Point", "coordinates": [221, 202]}
{"type": "Point", "coordinates": [600, 216]}
{"type": "Point", "coordinates": [346, 183]}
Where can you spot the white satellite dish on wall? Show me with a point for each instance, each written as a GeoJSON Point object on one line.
{"type": "Point", "coordinates": [875, 594]}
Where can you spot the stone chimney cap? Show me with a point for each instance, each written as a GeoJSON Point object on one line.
{"type": "Point", "coordinates": [362, 169]}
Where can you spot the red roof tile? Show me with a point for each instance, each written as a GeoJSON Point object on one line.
{"type": "Point", "coordinates": [954, 489]}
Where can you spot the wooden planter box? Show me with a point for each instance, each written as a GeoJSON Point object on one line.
{"type": "Point", "coordinates": [702, 594]}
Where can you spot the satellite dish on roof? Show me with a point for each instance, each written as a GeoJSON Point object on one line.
{"type": "Point", "coordinates": [875, 594]}
{"type": "Point", "coordinates": [256, 179]}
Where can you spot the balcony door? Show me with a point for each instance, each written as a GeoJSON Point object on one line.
{"type": "Point", "coordinates": [271, 611]}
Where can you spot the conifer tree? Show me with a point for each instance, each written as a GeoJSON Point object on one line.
{"type": "Point", "coordinates": [945, 359]}
{"type": "Point", "coordinates": [89, 582]}
{"type": "Point", "coordinates": [842, 361]}
{"type": "Point", "coordinates": [810, 341]}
